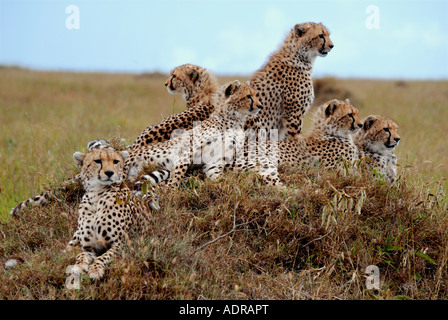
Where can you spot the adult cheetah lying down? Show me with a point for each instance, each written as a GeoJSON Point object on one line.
{"type": "Point", "coordinates": [108, 210]}
{"type": "Point", "coordinates": [284, 86]}
{"type": "Point", "coordinates": [377, 140]}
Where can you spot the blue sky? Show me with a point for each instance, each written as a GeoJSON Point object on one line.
{"type": "Point", "coordinates": [228, 37]}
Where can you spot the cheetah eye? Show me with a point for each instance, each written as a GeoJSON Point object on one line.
{"type": "Point", "coordinates": [249, 97]}
{"type": "Point", "coordinates": [98, 161]}
{"type": "Point", "coordinates": [387, 130]}
{"type": "Point", "coordinates": [350, 115]}
{"type": "Point", "coordinates": [321, 36]}
{"type": "Point", "coordinates": [116, 161]}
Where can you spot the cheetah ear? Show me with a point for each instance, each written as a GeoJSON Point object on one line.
{"type": "Point", "coordinates": [232, 88]}
{"type": "Point", "coordinates": [330, 109]}
{"type": "Point", "coordinates": [79, 158]}
{"type": "Point", "coordinates": [124, 154]}
{"type": "Point", "coordinates": [194, 75]}
{"type": "Point", "coordinates": [347, 101]}
{"type": "Point", "coordinates": [301, 28]}
{"type": "Point", "coordinates": [368, 122]}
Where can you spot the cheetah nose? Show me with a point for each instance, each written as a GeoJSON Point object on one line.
{"type": "Point", "coordinates": [260, 106]}
{"type": "Point", "coordinates": [166, 84]}
{"type": "Point", "coordinates": [397, 139]}
{"type": "Point", "coordinates": [360, 125]}
{"type": "Point", "coordinates": [109, 173]}
{"type": "Point", "coordinates": [331, 46]}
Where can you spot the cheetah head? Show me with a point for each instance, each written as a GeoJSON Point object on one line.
{"type": "Point", "coordinates": [341, 118]}
{"type": "Point", "coordinates": [380, 134]}
{"type": "Point", "coordinates": [101, 166]}
{"type": "Point", "coordinates": [189, 79]}
{"type": "Point", "coordinates": [241, 98]}
{"type": "Point", "coordinates": [313, 37]}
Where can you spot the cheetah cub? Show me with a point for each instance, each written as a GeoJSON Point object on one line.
{"type": "Point", "coordinates": [284, 85]}
{"type": "Point", "coordinates": [377, 140]}
{"type": "Point", "coordinates": [108, 210]}
{"type": "Point", "coordinates": [335, 123]}
{"type": "Point", "coordinates": [197, 86]}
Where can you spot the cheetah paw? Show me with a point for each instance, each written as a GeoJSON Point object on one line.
{"type": "Point", "coordinates": [96, 273]}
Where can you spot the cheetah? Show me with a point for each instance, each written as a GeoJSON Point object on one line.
{"type": "Point", "coordinates": [197, 86]}
{"type": "Point", "coordinates": [211, 146]}
{"type": "Point", "coordinates": [335, 124]}
{"type": "Point", "coordinates": [108, 210]}
{"type": "Point", "coordinates": [284, 85]}
{"type": "Point", "coordinates": [377, 140]}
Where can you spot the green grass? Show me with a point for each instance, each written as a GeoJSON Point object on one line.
{"type": "Point", "coordinates": [236, 238]}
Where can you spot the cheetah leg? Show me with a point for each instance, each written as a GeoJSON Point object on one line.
{"type": "Point", "coordinates": [84, 215]}
{"type": "Point", "coordinates": [75, 239]}
{"type": "Point", "coordinates": [291, 127]}
{"type": "Point", "coordinates": [86, 257]}
{"type": "Point", "coordinates": [97, 268]}
{"type": "Point", "coordinates": [178, 174]}
{"type": "Point", "coordinates": [269, 172]}
{"type": "Point", "coordinates": [180, 168]}
{"type": "Point", "coordinates": [270, 175]}
{"type": "Point", "coordinates": [213, 171]}
{"type": "Point", "coordinates": [265, 164]}
{"type": "Point", "coordinates": [83, 260]}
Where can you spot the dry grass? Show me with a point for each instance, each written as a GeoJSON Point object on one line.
{"type": "Point", "coordinates": [232, 239]}
{"type": "Point", "coordinates": [238, 239]}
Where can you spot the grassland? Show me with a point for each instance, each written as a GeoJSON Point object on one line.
{"type": "Point", "coordinates": [305, 243]}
